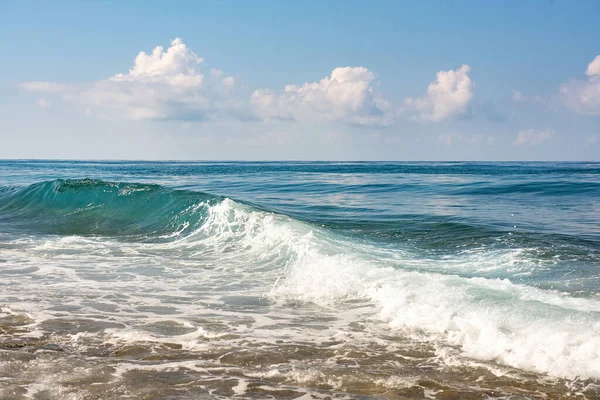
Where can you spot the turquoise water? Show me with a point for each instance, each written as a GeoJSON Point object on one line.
{"type": "Point", "coordinates": [299, 279]}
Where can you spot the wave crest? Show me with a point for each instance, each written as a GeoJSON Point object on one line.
{"type": "Point", "coordinates": [95, 207]}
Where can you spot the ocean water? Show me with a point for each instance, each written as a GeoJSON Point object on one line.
{"type": "Point", "coordinates": [176, 280]}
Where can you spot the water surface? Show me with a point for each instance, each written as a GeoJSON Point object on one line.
{"type": "Point", "coordinates": [282, 280]}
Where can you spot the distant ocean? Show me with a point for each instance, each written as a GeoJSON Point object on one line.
{"type": "Point", "coordinates": [313, 280]}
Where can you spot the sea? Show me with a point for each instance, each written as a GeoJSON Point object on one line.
{"type": "Point", "coordinates": [299, 280]}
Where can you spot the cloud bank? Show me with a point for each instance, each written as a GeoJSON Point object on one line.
{"type": "Point", "coordinates": [174, 83]}
{"type": "Point", "coordinates": [165, 84]}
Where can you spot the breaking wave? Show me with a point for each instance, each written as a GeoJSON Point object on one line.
{"type": "Point", "coordinates": [486, 317]}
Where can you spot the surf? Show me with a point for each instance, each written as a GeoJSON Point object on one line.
{"type": "Point", "coordinates": [436, 300]}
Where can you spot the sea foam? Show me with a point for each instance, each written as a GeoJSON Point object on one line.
{"type": "Point", "coordinates": [489, 319]}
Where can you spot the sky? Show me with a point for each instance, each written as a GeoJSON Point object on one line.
{"type": "Point", "coordinates": [311, 80]}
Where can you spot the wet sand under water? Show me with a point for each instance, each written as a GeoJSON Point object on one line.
{"type": "Point", "coordinates": [70, 360]}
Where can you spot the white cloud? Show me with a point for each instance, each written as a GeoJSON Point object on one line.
{"type": "Point", "coordinates": [229, 81]}
{"type": "Point", "coordinates": [519, 97]}
{"type": "Point", "coordinates": [583, 96]}
{"type": "Point", "coordinates": [48, 87]}
{"type": "Point", "coordinates": [593, 67]}
{"type": "Point", "coordinates": [516, 95]}
{"type": "Point", "coordinates": [532, 137]}
{"type": "Point", "coordinates": [450, 139]}
{"type": "Point", "coordinates": [447, 97]}
{"type": "Point", "coordinates": [176, 67]}
{"type": "Point", "coordinates": [174, 83]}
{"type": "Point", "coordinates": [43, 104]}
{"type": "Point", "coordinates": [345, 96]}
{"type": "Point", "coordinates": [165, 84]}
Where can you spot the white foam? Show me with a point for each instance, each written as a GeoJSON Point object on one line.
{"type": "Point", "coordinates": [240, 388]}
{"type": "Point", "coordinates": [493, 320]}
{"type": "Point", "coordinates": [488, 319]}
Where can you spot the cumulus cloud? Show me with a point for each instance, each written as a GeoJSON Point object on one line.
{"type": "Point", "coordinates": [583, 96]}
{"type": "Point", "coordinates": [165, 84]}
{"type": "Point", "coordinates": [532, 137]}
{"type": "Point", "coordinates": [593, 68]}
{"type": "Point", "coordinates": [176, 67]}
{"type": "Point", "coordinates": [345, 96]}
{"type": "Point", "coordinates": [447, 97]}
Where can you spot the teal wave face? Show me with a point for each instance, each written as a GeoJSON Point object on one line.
{"type": "Point", "coordinates": [95, 207]}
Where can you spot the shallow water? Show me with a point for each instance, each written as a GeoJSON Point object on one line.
{"type": "Point", "coordinates": [284, 280]}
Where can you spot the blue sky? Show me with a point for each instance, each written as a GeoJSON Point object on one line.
{"type": "Point", "coordinates": [276, 80]}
